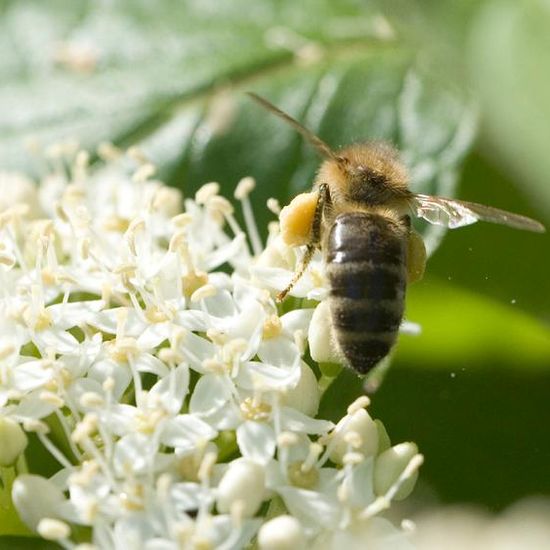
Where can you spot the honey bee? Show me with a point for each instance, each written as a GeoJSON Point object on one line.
{"type": "Point", "coordinates": [358, 215]}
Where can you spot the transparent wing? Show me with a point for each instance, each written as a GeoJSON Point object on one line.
{"type": "Point", "coordinates": [454, 213]}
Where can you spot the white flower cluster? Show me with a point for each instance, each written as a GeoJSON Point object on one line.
{"type": "Point", "coordinates": [184, 411]}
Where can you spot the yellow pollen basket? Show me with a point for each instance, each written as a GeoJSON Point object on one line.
{"type": "Point", "coordinates": [297, 219]}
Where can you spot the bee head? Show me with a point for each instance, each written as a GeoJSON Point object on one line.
{"type": "Point", "coordinates": [371, 173]}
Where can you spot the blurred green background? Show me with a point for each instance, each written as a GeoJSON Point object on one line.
{"type": "Point", "coordinates": [463, 88]}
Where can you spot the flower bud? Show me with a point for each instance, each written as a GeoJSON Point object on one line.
{"type": "Point", "coordinates": [281, 533]}
{"type": "Point", "coordinates": [53, 529]}
{"type": "Point", "coordinates": [305, 396]}
{"type": "Point", "coordinates": [358, 431]}
{"type": "Point", "coordinates": [35, 498]}
{"type": "Point", "coordinates": [321, 343]}
{"type": "Point", "coordinates": [243, 481]}
{"type": "Point", "coordinates": [390, 465]}
{"type": "Point", "coordinates": [384, 442]}
{"type": "Point", "coordinates": [12, 441]}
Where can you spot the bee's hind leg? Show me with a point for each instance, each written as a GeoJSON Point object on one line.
{"type": "Point", "coordinates": [322, 201]}
{"type": "Point", "coordinates": [416, 257]}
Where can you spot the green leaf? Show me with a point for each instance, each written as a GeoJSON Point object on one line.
{"type": "Point", "coordinates": [484, 432]}
{"type": "Point", "coordinates": [27, 543]}
{"type": "Point", "coordinates": [491, 260]}
{"type": "Point", "coordinates": [508, 58]}
{"type": "Point", "coordinates": [171, 75]}
{"type": "Point", "coordinates": [462, 330]}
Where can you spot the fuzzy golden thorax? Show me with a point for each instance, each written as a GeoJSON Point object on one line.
{"type": "Point", "coordinates": [367, 175]}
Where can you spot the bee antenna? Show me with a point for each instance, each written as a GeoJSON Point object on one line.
{"type": "Point", "coordinates": [317, 142]}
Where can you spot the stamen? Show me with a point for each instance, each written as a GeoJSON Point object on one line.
{"type": "Point", "coordinates": [244, 188]}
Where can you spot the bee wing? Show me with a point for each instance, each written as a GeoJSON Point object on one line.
{"type": "Point", "coordinates": [454, 213]}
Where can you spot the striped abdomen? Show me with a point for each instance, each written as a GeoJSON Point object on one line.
{"type": "Point", "coordinates": [366, 262]}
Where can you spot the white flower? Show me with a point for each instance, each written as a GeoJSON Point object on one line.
{"type": "Point", "coordinates": [184, 401]}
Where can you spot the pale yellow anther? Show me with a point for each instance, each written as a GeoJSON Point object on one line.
{"type": "Point", "coordinates": [82, 159]}
{"type": "Point", "coordinates": [144, 172]}
{"type": "Point", "coordinates": [155, 314]}
{"type": "Point", "coordinates": [37, 320]}
{"type": "Point", "coordinates": [244, 188]}
{"type": "Point", "coordinates": [182, 220]}
{"type": "Point", "coordinates": [74, 194]}
{"type": "Point", "coordinates": [7, 260]}
{"type": "Point", "coordinates": [84, 248]}
{"type": "Point", "coordinates": [53, 529]}
{"type": "Point", "coordinates": [147, 422]}
{"type": "Point", "coordinates": [61, 213]}
{"type": "Point", "coordinates": [304, 479]}
{"type": "Point", "coordinates": [63, 277]}
{"type": "Point", "coordinates": [274, 206]}
{"type": "Point", "coordinates": [251, 409]}
{"type": "Point", "coordinates": [188, 466]}
{"type": "Point", "coordinates": [205, 291]}
{"type": "Point", "coordinates": [287, 439]}
{"type": "Point", "coordinates": [49, 277]}
{"type": "Point", "coordinates": [108, 152]}
{"type": "Point", "coordinates": [106, 291]}
{"type": "Point", "coordinates": [92, 400]}
{"type": "Point", "coordinates": [317, 277]}
{"type": "Point", "coordinates": [132, 499]}
{"type": "Point", "coordinates": [126, 281]}
{"type": "Point", "coordinates": [353, 458]}
{"type": "Point", "coordinates": [205, 469]}
{"type": "Point", "coordinates": [65, 375]}
{"type": "Point", "coordinates": [234, 349]}
{"type": "Point", "coordinates": [167, 200]}
{"type": "Point", "coordinates": [85, 428]}
{"type": "Point", "coordinates": [126, 268]}
{"type": "Point", "coordinates": [272, 327]}
{"type": "Point", "coordinates": [6, 350]}
{"type": "Point", "coordinates": [52, 399]}
{"type": "Point", "coordinates": [353, 439]}
{"type": "Point", "coordinates": [116, 223]}
{"type": "Point", "coordinates": [123, 349]}
{"type": "Point", "coordinates": [135, 226]}
{"type": "Point", "coordinates": [273, 228]}
{"type": "Point", "coordinates": [216, 337]}
{"type": "Point", "coordinates": [220, 204]}
{"type": "Point", "coordinates": [200, 542]}
{"type": "Point", "coordinates": [361, 402]}
{"type": "Point", "coordinates": [214, 366]}
{"type": "Point", "coordinates": [109, 384]}
{"type": "Point", "coordinates": [36, 426]}
{"type": "Point", "coordinates": [178, 336]}
{"type": "Point", "coordinates": [193, 281]}
{"type": "Point", "coordinates": [170, 356]}
{"type": "Point", "coordinates": [52, 385]}
{"type": "Point", "coordinates": [45, 229]}
{"type": "Point", "coordinates": [343, 493]}
{"type": "Point", "coordinates": [178, 242]}
{"type": "Point", "coordinates": [86, 474]}
{"type": "Point", "coordinates": [136, 154]}
{"type": "Point", "coordinates": [206, 192]}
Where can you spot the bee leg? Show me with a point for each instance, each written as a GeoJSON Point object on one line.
{"type": "Point", "coordinates": [322, 201]}
{"type": "Point", "coordinates": [416, 257]}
